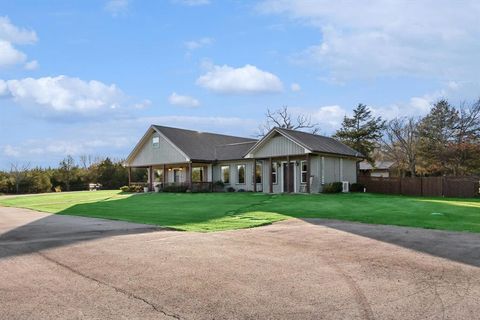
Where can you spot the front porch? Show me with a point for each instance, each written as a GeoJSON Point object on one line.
{"type": "Point", "coordinates": [195, 177]}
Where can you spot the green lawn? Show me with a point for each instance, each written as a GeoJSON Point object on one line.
{"type": "Point", "coordinates": [226, 211]}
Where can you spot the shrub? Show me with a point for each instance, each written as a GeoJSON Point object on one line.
{"type": "Point", "coordinates": [58, 189]}
{"type": "Point", "coordinates": [334, 187]}
{"type": "Point", "coordinates": [241, 190]}
{"type": "Point", "coordinates": [125, 189]}
{"type": "Point", "coordinates": [176, 188]}
{"type": "Point", "coordinates": [356, 187]}
{"type": "Point", "coordinates": [218, 186]}
{"type": "Point", "coordinates": [230, 189]}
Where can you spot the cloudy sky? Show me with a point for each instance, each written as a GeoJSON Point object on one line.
{"type": "Point", "coordinates": [89, 77]}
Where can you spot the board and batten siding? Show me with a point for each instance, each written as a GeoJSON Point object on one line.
{"type": "Point", "coordinates": [165, 153]}
{"type": "Point", "coordinates": [248, 185]}
{"type": "Point", "coordinates": [278, 145]}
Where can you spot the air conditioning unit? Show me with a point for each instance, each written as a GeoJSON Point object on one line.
{"type": "Point", "coordinates": [345, 186]}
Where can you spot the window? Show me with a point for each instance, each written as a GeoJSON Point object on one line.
{"type": "Point", "coordinates": [156, 142]}
{"type": "Point", "coordinates": [241, 174]}
{"type": "Point", "coordinates": [274, 173]}
{"type": "Point", "coordinates": [258, 173]}
{"type": "Point", "coordinates": [197, 174]}
{"type": "Point", "coordinates": [176, 175]}
{"type": "Point", "coordinates": [303, 170]}
{"type": "Point", "coordinates": [225, 170]}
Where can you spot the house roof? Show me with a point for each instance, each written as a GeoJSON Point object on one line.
{"type": "Point", "coordinates": [379, 165]}
{"type": "Point", "coordinates": [312, 142]}
{"type": "Point", "coordinates": [205, 145]}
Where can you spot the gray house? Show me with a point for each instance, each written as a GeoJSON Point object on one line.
{"type": "Point", "coordinates": [282, 161]}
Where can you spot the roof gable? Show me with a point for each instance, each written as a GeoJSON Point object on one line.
{"type": "Point", "coordinates": [312, 143]}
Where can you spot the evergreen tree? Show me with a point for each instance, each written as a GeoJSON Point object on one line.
{"type": "Point", "coordinates": [438, 132]}
{"type": "Point", "coordinates": [362, 131]}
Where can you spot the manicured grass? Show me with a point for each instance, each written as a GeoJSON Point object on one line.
{"type": "Point", "coordinates": [226, 211]}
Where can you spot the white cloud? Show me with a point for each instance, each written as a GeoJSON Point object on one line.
{"type": "Point", "coordinates": [116, 7]}
{"type": "Point", "coordinates": [192, 3]}
{"type": "Point", "coordinates": [183, 101]}
{"type": "Point", "coordinates": [244, 80]}
{"type": "Point", "coordinates": [199, 43]}
{"type": "Point", "coordinates": [389, 38]}
{"type": "Point", "coordinates": [14, 34]}
{"type": "Point", "coordinates": [31, 65]}
{"type": "Point", "coordinates": [63, 94]}
{"type": "Point", "coordinates": [328, 118]}
{"type": "Point", "coordinates": [11, 151]}
{"type": "Point", "coordinates": [295, 87]}
{"type": "Point", "coordinates": [9, 55]}
{"type": "Point", "coordinates": [10, 35]}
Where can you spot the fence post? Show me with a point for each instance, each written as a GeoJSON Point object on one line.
{"type": "Point", "coordinates": [421, 186]}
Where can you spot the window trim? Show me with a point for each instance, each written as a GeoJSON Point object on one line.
{"type": "Point", "coordinates": [274, 172]}
{"type": "Point", "coordinates": [156, 145]}
{"type": "Point", "coordinates": [244, 174]}
{"type": "Point", "coordinates": [259, 164]}
{"type": "Point", "coordinates": [222, 177]}
{"type": "Point", "coordinates": [302, 172]}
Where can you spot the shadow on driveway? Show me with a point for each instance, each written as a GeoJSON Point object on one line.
{"type": "Point", "coordinates": [462, 247]}
{"type": "Point", "coordinates": [27, 233]}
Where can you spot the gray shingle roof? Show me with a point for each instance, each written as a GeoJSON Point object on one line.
{"type": "Point", "coordinates": [207, 146]}
{"type": "Point", "coordinates": [318, 143]}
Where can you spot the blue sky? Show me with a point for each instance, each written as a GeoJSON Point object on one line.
{"type": "Point", "coordinates": [89, 77]}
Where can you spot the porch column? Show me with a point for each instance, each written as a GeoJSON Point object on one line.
{"type": "Point", "coordinates": [288, 174]}
{"type": "Point", "coordinates": [129, 176]}
{"type": "Point", "coordinates": [308, 172]}
{"type": "Point", "coordinates": [270, 182]}
{"type": "Point", "coordinates": [150, 174]}
{"type": "Point", "coordinates": [164, 176]}
{"type": "Point", "coordinates": [190, 183]}
{"type": "Point", "coordinates": [254, 175]}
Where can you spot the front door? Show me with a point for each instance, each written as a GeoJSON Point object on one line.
{"type": "Point", "coordinates": [288, 178]}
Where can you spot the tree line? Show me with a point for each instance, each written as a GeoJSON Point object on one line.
{"type": "Point", "coordinates": [70, 175]}
{"type": "Point", "coordinates": [446, 141]}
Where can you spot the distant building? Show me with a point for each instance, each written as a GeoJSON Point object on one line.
{"type": "Point", "coordinates": [379, 169]}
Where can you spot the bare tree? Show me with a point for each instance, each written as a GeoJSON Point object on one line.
{"type": "Point", "coordinates": [400, 142]}
{"type": "Point", "coordinates": [466, 144]}
{"type": "Point", "coordinates": [283, 118]}
{"type": "Point", "coordinates": [85, 161]}
{"type": "Point", "coordinates": [19, 172]}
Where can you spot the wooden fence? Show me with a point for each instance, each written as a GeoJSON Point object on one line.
{"type": "Point", "coordinates": [465, 187]}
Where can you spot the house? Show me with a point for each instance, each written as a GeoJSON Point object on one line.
{"type": "Point", "coordinates": [379, 169]}
{"type": "Point", "coordinates": [282, 161]}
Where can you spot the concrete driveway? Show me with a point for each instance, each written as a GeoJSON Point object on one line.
{"type": "Point", "coordinates": [61, 267]}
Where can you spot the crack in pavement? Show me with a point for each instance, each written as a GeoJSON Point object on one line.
{"type": "Point", "coordinates": [117, 289]}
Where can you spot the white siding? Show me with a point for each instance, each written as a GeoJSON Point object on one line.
{"type": "Point", "coordinates": [164, 154]}
{"type": "Point", "coordinates": [278, 145]}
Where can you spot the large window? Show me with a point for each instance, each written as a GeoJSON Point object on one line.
{"type": "Point", "coordinates": [156, 142]}
{"type": "Point", "coordinates": [258, 173]}
{"type": "Point", "coordinates": [303, 168]}
{"type": "Point", "coordinates": [197, 174]}
{"type": "Point", "coordinates": [225, 174]}
{"type": "Point", "coordinates": [241, 174]}
{"type": "Point", "coordinates": [274, 173]}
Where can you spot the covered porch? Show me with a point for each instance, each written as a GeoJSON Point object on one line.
{"type": "Point", "coordinates": [193, 176]}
